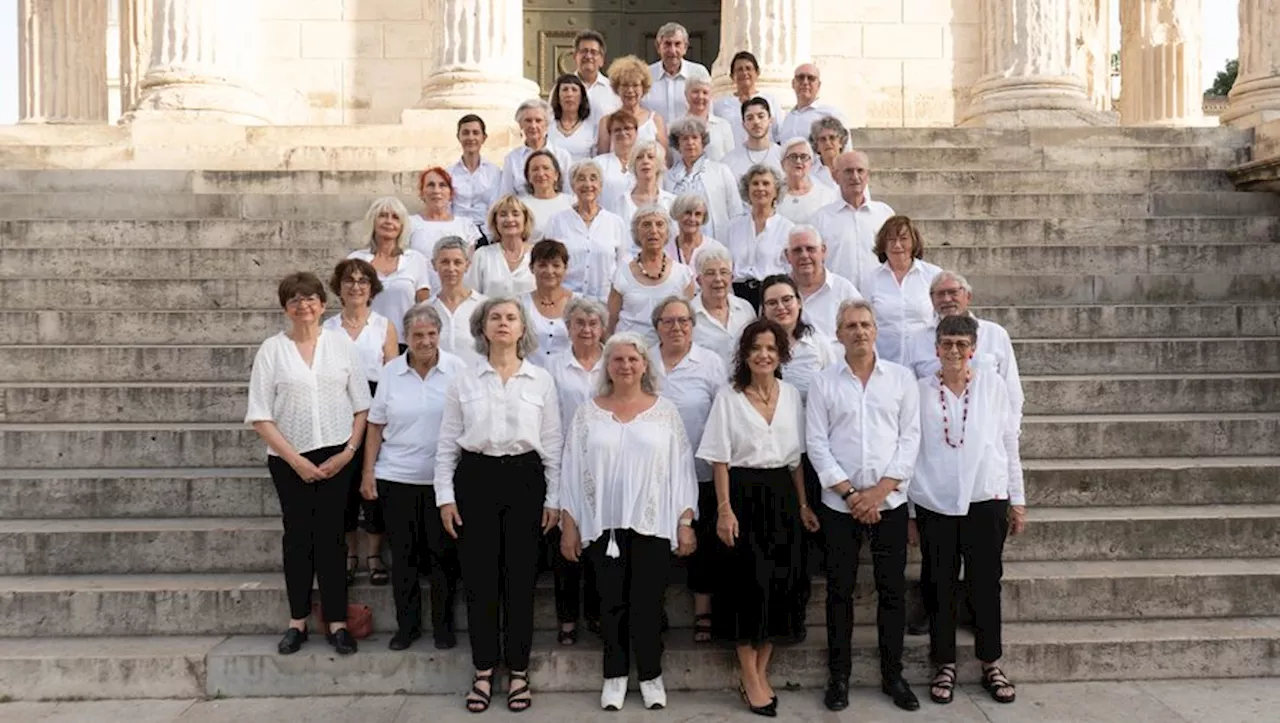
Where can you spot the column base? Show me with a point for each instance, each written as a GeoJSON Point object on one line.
{"type": "Point", "coordinates": [1253, 102]}
{"type": "Point", "coordinates": [199, 100]}
{"type": "Point", "coordinates": [1034, 101]}
{"type": "Point", "coordinates": [469, 90]}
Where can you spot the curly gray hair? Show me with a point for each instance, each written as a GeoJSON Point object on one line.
{"type": "Point", "coordinates": [828, 123]}
{"type": "Point", "coordinates": [648, 380]}
{"type": "Point", "coordinates": [528, 342]}
{"type": "Point", "coordinates": [759, 169]}
{"type": "Point", "coordinates": [688, 126]}
{"type": "Point", "coordinates": [661, 306]}
{"type": "Point", "coordinates": [644, 212]}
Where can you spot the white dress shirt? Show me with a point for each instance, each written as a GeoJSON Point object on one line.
{"type": "Point", "coordinates": [721, 134]}
{"type": "Point", "coordinates": [810, 354]}
{"type": "Point", "coordinates": [491, 276]}
{"type": "Point", "coordinates": [595, 250]}
{"type": "Point", "coordinates": [399, 289]}
{"type": "Point", "coordinates": [692, 387]}
{"type": "Point", "coordinates": [485, 416]}
{"type": "Point", "coordinates": [821, 307]}
{"type": "Point", "coordinates": [424, 234]}
{"type": "Point", "coordinates": [901, 309]}
{"type": "Point", "coordinates": [635, 475]}
{"type": "Point", "coordinates": [850, 235]}
{"type": "Point", "coordinates": [994, 352]}
{"type": "Point", "coordinates": [666, 98]}
{"type": "Point", "coordinates": [799, 121]}
{"type": "Point", "coordinates": [639, 299]}
{"type": "Point", "coordinates": [741, 159]}
{"type": "Point", "coordinates": [551, 332]}
{"type": "Point", "coordinates": [802, 209]}
{"type": "Point", "coordinates": [985, 464]}
{"type": "Point", "coordinates": [722, 339]}
{"type": "Point", "coordinates": [757, 255]}
{"type": "Point", "coordinates": [863, 433]}
{"type": "Point", "coordinates": [474, 192]}
{"type": "Point", "coordinates": [730, 108]}
{"type": "Point", "coordinates": [601, 97]}
{"type": "Point", "coordinates": [575, 384]}
{"type": "Point", "coordinates": [370, 343]}
{"type": "Point", "coordinates": [543, 210]}
{"type": "Point", "coordinates": [512, 179]}
{"type": "Point", "coordinates": [737, 434]}
{"type": "Point", "coordinates": [410, 407]}
{"type": "Point", "coordinates": [312, 406]}
{"type": "Point", "coordinates": [714, 182]}
{"type": "Point", "coordinates": [580, 144]}
{"type": "Point", "coordinates": [455, 327]}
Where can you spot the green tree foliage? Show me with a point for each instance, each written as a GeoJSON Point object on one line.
{"type": "Point", "coordinates": [1225, 79]}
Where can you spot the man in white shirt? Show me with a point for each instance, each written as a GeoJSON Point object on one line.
{"type": "Point", "coordinates": [849, 226]}
{"type": "Point", "coordinates": [806, 82]}
{"type": "Point", "coordinates": [758, 148]}
{"type": "Point", "coordinates": [669, 74]}
{"type": "Point", "coordinates": [823, 291]}
{"type": "Point", "coordinates": [534, 117]}
{"type": "Point", "coordinates": [862, 432]}
{"type": "Point", "coordinates": [589, 55]}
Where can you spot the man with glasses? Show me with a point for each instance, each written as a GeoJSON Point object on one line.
{"type": "Point", "coordinates": [758, 148]}
{"type": "Point", "coordinates": [850, 225]}
{"type": "Point", "coordinates": [589, 56]}
{"type": "Point", "coordinates": [822, 291]}
{"type": "Point", "coordinates": [670, 73]}
{"type": "Point", "coordinates": [806, 82]}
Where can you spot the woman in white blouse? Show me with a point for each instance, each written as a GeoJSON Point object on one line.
{"type": "Point", "coordinates": [828, 137]}
{"type": "Point", "coordinates": [475, 180]}
{"type": "Point", "coordinates": [758, 241]}
{"type": "Point", "coordinates": [404, 273]}
{"type": "Point", "coordinates": [545, 196]}
{"type": "Point", "coordinates": [616, 162]}
{"type": "Point", "coordinates": [689, 213]}
{"type": "Point", "coordinates": [435, 188]}
{"type": "Point", "coordinates": [690, 375]}
{"type": "Point", "coordinates": [596, 239]}
{"type": "Point", "coordinates": [397, 474]}
{"type": "Point", "coordinates": [720, 315]}
{"type": "Point", "coordinates": [546, 303]}
{"type": "Point", "coordinates": [697, 94]}
{"type": "Point", "coordinates": [498, 486]}
{"type": "Point", "coordinates": [967, 495]}
{"type": "Point", "coordinates": [502, 267]}
{"type": "Point", "coordinates": [356, 284]}
{"type": "Point", "coordinates": [629, 500]}
{"type": "Point", "coordinates": [649, 277]}
{"type": "Point", "coordinates": [308, 399]}
{"type": "Point", "coordinates": [572, 130]}
{"type": "Point", "coordinates": [899, 287]}
{"type": "Point", "coordinates": [455, 302]}
{"type": "Point", "coordinates": [753, 440]}
{"type": "Point", "coordinates": [648, 166]}
{"type": "Point", "coordinates": [811, 351]}
{"type": "Point", "coordinates": [801, 196]}
{"type": "Point", "coordinates": [694, 172]}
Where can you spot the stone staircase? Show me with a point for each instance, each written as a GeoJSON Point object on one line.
{"type": "Point", "coordinates": [139, 542]}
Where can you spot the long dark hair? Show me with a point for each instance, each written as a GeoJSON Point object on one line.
{"type": "Point", "coordinates": [741, 372]}
{"type": "Point", "coordinates": [803, 328]}
{"type": "Point", "coordinates": [584, 107]}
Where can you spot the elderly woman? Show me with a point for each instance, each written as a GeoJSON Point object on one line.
{"type": "Point", "coordinates": [356, 284]}
{"type": "Point", "coordinates": [455, 301]}
{"type": "Point", "coordinates": [648, 166]}
{"type": "Point", "coordinates": [616, 163]}
{"type": "Point", "coordinates": [899, 288]}
{"type": "Point", "coordinates": [719, 315]}
{"type": "Point", "coordinates": [650, 276]}
{"type": "Point", "coordinates": [629, 500]}
{"type": "Point", "coordinates": [308, 398]}
{"type": "Point", "coordinates": [753, 440]}
{"type": "Point", "coordinates": [630, 79]}
{"type": "Point", "coordinates": [534, 117]}
{"type": "Point", "coordinates": [697, 93]}
{"type": "Point", "coordinates": [967, 494]}
{"type": "Point", "coordinates": [497, 483]}
{"type": "Point", "coordinates": [546, 303]}
{"type": "Point", "coordinates": [694, 172]}
{"type": "Point", "coordinates": [596, 239]}
{"type": "Point", "coordinates": [475, 180]}
{"type": "Point", "coordinates": [502, 267]}
{"type": "Point", "coordinates": [404, 273]}
{"type": "Point", "coordinates": [690, 375]}
{"type": "Point", "coordinates": [745, 71]}
{"type": "Point", "coordinates": [435, 188]}
{"type": "Point", "coordinates": [689, 212]}
{"type": "Point", "coordinates": [545, 197]}
{"type": "Point", "coordinates": [397, 473]}
{"type": "Point", "coordinates": [801, 196]}
{"type": "Point", "coordinates": [572, 130]}
{"type": "Point", "coordinates": [758, 241]}
{"type": "Point", "coordinates": [829, 137]}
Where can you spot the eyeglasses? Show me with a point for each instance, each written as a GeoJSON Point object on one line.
{"type": "Point", "coordinates": [357, 282]}
{"type": "Point", "coordinates": [800, 158]}
{"type": "Point", "coordinates": [807, 249]}
{"type": "Point", "coordinates": [589, 52]}
{"type": "Point", "coordinates": [806, 78]}
{"type": "Point", "coordinates": [297, 301]}
{"type": "Point", "coordinates": [787, 300]}
{"type": "Point", "coordinates": [947, 293]}
{"type": "Point", "coordinates": [671, 322]}
{"type": "Point", "coordinates": [959, 345]}
{"type": "Point", "coordinates": [718, 274]}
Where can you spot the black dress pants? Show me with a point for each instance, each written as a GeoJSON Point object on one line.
{"type": "Point", "coordinates": [500, 501]}
{"type": "Point", "coordinates": [315, 545]}
{"type": "Point", "coordinates": [575, 583]}
{"type": "Point", "coordinates": [888, 538]}
{"type": "Point", "coordinates": [977, 540]}
{"type": "Point", "coordinates": [632, 590]}
{"type": "Point", "coordinates": [419, 544]}
{"type": "Point", "coordinates": [706, 564]}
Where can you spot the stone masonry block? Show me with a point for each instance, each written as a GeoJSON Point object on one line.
{"type": "Point", "coordinates": [922, 40]}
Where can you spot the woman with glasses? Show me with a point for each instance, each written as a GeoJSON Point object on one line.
{"type": "Point", "coordinates": [801, 197]}
{"type": "Point", "coordinates": [615, 164]}
{"type": "Point", "coordinates": [828, 137]}
{"type": "Point", "coordinates": [630, 79]}
{"type": "Point", "coordinates": [758, 241]}
{"type": "Point", "coordinates": [899, 288]}
{"type": "Point", "coordinates": [811, 352]}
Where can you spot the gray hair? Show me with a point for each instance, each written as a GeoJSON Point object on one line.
{"type": "Point", "coordinates": [670, 29]}
{"type": "Point", "coordinates": [421, 311]}
{"type": "Point", "coordinates": [647, 145]}
{"type": "Point", "coordinates": [686, 202]}
{"type": "Point", "coordinates": [945, 276]}
{"type": "Point", "coordinates": [696, 79]}
{"type": "Point", "coordinates": [534, 103]}
{"type": "Point", "coordinates": [448, 243]}
{"type": "Point", "coordinates": [395, 206]}
{"type": "Point", "coordinates": [759, 169]}
{"type": "Point", "coordinates": [668, 301]}
{"type": "Point", "coordinates": [588, 164]}
{"type": "Point", "coordinates": [588, 306]}
{"type": "Point", "coordinates": [648, 381]}
{"type": "Point", "coordinates": [832, 123]}
{"type": "Point", "coordinates": [850, 304]}
{"type": "Point", "coordinates": [644, 212]}
{"type": "Point", "coordinates": [718, 253]}
{"type": "Point", "coordinates": [797, 141]}
{"type": "Point", "coordinates": [688, 126]}
{"type": "Point", "coordinates": [804, 229]}
{"type": "Point", "coordinates": [528, 342]}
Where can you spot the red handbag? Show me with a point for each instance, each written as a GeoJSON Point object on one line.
{"type": "Point", "coordinates": [359, 620]}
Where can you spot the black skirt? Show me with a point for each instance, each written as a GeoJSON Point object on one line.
{"type": "Point", "coordinates": [760, 596]}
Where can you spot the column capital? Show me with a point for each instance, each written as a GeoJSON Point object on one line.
{"type": "Point", "coordinates": [1160, 56]}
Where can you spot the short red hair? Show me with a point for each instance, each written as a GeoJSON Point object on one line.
{"type": "Point", "coordinates": [422, 179]}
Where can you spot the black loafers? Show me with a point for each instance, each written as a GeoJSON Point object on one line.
{"type": "Point", "coordinates": [901, 694]}
{"type": "Point", "coordinates": [292, 641]}
{"type": "Point", "coordinates": [837, 695]}
{"type": "Point", "coordinates": [342, 642]}
{"type": "Point", "coordinates": [403, 639]}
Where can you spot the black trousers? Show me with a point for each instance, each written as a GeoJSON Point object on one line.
{"type": "Point", "coordinates": [575, 583]}
{"type": "Point", "coordinates": [419, 544]}
{"type": "Point", "coordinates": [361, 513]}
{"type": "Point", "coordinates": [632, 590]}
{"type": "Point", "coordinates": [888, 539]}
{"type": "Point", "coordinates": [977, 539]}
{"type": "Point", "coordinates": [706, 563]}
{"type": "Point", "coordinates": [748, 290]}
{"type": "Point", "coordinates": [315, 546]}
{"type": "Point", "coordinates": [500, 502]}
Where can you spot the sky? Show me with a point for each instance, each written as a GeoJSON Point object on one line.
{"type": "Point", "coordinates": [1221, 30]}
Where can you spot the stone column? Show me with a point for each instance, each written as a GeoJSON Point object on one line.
{"type": "Point", "coordinates": [1255, 99]}
{"type": "Point", "coordinates": [1027, 77]}
{"type": "Point", "coordinates": [777, 32]}
{"type": "Point", "coordinates": [479, 57]}
{"type": "Point", "coordinates": [1160, 62]}
{"type": "Point", "coordinates": [62, 61]}
{"type": "Point", "coordinates": [201, 59]}
{"type": "Point", "coordinates": [1091, 49]}
{"type": "Point", "coordinates": [135, 48]}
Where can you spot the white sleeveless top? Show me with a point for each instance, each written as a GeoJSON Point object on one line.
{"type": "Point", "coordinates": [552, 334]}
{"type": "Point", "coordinates": [369, 344]}
{"type": "Point", "coordinates": [580, 144]}
{"type": "Point", "coordinates": [638, 299]}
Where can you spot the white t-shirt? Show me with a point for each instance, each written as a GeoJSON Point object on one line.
{"type": "Point", "coordinates": [580, 144]}
{"type": "Point", "coordinates": [543, 209]}
{"type": "Point", "coordinates": [491, 276]}
{"type": "Point", "coordinates": [802, 209]}
{"type": "Point", "coordinates": [455, 327]}
{"type": "Point", "coordinates": [411, 408]}
{"type": "Point", "coordinates": [551, 332]}
{"type": "Point", "coordinates": [424, 234]}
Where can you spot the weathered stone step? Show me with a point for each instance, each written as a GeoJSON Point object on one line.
{"type": "Point", "coordinates": [1153, 481]}
{"type": "Point", "coordinates": [1146, 356]}
{"type": "Point", "coordinates": [1132, 321]}
{"type": "Point", "coordinates": [1156, 393]}
{"type": "Point", "coordinates": [1055, 158]}
{"type": "Point", "coordinates": [1087, 137]}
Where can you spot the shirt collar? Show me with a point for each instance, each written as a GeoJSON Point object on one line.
{"type": "Point", "coordinates": [571, 362]}
{"type": "Point", "coordinates": [681, 75]}
{"type": "Point", "coordinates": [877, 368]}
{"type": "Point", "coordinates": [525, 370]}
{"type": "Point", "coordinates": [600, 81]}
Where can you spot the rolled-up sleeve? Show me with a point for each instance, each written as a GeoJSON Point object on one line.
{"type": "Point", "coordinates": [262, 388]}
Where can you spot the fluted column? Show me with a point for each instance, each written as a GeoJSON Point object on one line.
{"type": "Point", "coordinates": [62, 61]}
{"type": "Point", "coordinates": [479, 57]}
{"type": "Point", "coordinates": [135, 48]}
{"type": "Point", "coordinates": [1160, 62]}
{"type": "Point", "coordinates": [1255, 99]}
{"type": "Point", "coordinates": [202, 58]}
{"type": "Point", "coordinates": [1091, 49]}
{"type": "Point", "coordinates": [777, 32]}
{"type": "Point", "coordinates": [1027, 75]}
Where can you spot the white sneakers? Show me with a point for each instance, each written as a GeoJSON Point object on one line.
{"type": "Point", "coordinates": [654, 693]}
{"type": "Point", "coordinates": [614, 693]}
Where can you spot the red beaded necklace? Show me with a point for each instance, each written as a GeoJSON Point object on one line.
{"type": "Point", "coordinates": [946, 422]}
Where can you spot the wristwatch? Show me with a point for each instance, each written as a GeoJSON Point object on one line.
{"type": "Point", "coordinates": [848, 492]}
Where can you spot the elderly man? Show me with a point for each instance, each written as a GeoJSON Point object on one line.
{"type": "Point", "coordinates": [534, 117]}
{"type": "Point", "coordinates": [823, 291]}
{"type": "Point", "coordinates": [862, 432]}
{"type": "Point", "coordinates": [758, 148]}
{"type": "Point", "coordinates": [850, 225]}
{"type": "Point", "coordinates": [806, 82]}
{"type": "Point", "coordinates": [670, 73]}
{"type": "Point", "coordinates": [589, 56]}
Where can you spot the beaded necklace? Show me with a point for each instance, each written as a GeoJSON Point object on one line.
{"type": "Point", "coordinates": [946, 422]}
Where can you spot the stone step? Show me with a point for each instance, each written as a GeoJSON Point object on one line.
{"type": "Point", "coordinates": [1156, 481]}
{"type": "Point", "coordinates": [1157, 320]}
{"type": "Point", "coordinates": [245, 666]}
{"type": "Point", "coordinates": [253, 603]}
{"type": "Point", "coordinates": [1055, 158]}
{"type": "Point", "coordinates": [1155, 394]}
{"type": "Point", "coordinates": [1091, 137]}
{"type": "Point", "coordinates": [1147, 356]}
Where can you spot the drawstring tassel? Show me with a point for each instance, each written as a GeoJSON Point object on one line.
{"type": "Point", "coordinates": [612, 550]}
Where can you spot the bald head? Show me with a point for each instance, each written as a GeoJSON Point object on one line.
{"type": "Point", "coordinates": [852, 172]}
{"type": "Point", "coordinates": [806, 82]}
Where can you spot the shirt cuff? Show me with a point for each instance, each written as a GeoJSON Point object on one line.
{"type": "Point", "coordinates": [831, 476]}
{"type": "Point", "coordinates": [444, 495]}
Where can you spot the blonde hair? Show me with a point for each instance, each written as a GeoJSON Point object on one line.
{"type": "Point", "coordinates": [629, 67]}
{"type": "Point", "coordinates": [510, 201]}
{"type": "Point", "coordinates": [398, 209]}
